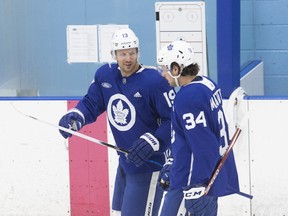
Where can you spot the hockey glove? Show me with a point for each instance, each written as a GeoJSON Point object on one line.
{"type": "Point", "coordinates": [142, 149]}
{"type": "Point", "coordinates": [163, 179]}
{"type": "Point", "coordinates": [196, 206]}
{"type": "Point", "coordinates": [73, 119]}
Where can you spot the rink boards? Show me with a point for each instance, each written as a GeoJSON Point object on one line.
{"type": "Point", "coordinates": [41, 173]}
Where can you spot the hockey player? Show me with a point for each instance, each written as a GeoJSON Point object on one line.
{"type": "Point", "coordinates": [199, 136]}
{"type": "Point", "coordinates": [138, 104]}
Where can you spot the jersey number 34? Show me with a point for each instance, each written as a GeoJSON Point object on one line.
{"type": "Point", "coordinates": [192, 122]}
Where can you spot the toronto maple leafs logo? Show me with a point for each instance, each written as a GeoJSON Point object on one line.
{"type": "Point", "coordinates": [121, 112]}
{"type": "Point", "coordinates": [170, 47]}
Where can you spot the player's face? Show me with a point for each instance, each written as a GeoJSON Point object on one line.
{"type": "Point", "coordinates": [169, 75]}
{"type": "Point", "coordinates": [127, 60]}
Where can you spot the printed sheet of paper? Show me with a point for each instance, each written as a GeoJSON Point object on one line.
{"type": "Point", "coordinates": [82, 43]}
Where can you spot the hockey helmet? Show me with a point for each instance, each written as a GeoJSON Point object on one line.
{"type": "Point", "coordinates": [179, 51]}
{"type": "Point", "coordinates": [124, 39]}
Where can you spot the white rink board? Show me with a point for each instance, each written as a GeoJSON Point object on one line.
{"type": "Point", "coordinates": [268, 144]}
{"type": "Point", "coordinates": [34, 168]}
{"type": "Point", "coordinates": [267, 154]}
{"type": "Point", "coordinates": [34, 173]}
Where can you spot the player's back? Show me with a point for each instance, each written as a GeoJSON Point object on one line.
{"type": "Point", "coordinates": [199, 119]}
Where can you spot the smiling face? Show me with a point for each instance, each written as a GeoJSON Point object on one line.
{"type": "Point", "coordinates": [127, 60]}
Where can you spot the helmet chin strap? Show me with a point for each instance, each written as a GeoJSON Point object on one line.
{"type": "Point", "coordinates": [175, 78]}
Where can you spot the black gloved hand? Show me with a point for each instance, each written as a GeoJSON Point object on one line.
{"type": "Point", "coordinates": [142, 149]}
{"type": "Point", "coordinates": [73, 119]}
{"type": "Point", "coordinates": [164, 180]}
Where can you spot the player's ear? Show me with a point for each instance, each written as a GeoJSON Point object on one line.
{"type": "Point", "coordinates": [175, 68]}
{"type": "Point", "coordinates": [113, 54]}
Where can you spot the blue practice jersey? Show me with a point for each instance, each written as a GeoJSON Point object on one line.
{"type": "Point", "coordinates": [135, 105]}
{"type": "Point", "coordinates": [200, 138]}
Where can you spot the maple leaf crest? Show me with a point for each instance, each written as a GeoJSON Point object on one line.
{"type": "Point", "coordinates": [120, 114]}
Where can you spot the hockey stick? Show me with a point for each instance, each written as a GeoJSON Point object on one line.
{"type": "Point", "coordinates": [83, 136]}
{"type": "Point", "coordinates": [222, 161]}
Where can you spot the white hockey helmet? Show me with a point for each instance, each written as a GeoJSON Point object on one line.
{"type": "Point", "coordinates": [179, 51]}
{"type": "Point", "coordinates": [124, 39]}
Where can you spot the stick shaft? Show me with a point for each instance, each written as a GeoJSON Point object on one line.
{"type": "Point", "coordinates": [222, 161]}
{"type": "Point", "coordinates": [83, 136]}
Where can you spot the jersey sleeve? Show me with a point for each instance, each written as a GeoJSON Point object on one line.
{"type": "Point", "coordinates": [92, 104]}
{"type": "Point", "coordinates": [162, 98]}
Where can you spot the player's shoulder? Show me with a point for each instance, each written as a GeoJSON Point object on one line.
{"type": "Point", "coordinates": [106, 70]}
{"type": "Point", "coordinates": [149, 70]}
{"type": "Point", "coordinates": [107, 67]}
{"type": "Point", "coordinates": [200, 90]}
{"type": "Point", "coordinates": [149, 67]}
{"type": "Point", "coordinates": [204, 83]}
{"type": "Point", "coordinates": [151, 73]}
